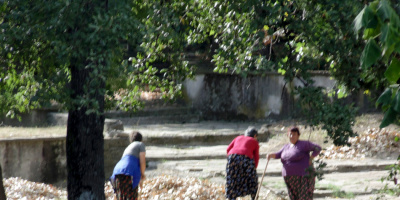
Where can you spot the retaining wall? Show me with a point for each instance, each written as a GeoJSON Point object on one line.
{"type": "Point", "coordinates": [44, 159]}
{"type": "Point", "coordinates": [225, 96]}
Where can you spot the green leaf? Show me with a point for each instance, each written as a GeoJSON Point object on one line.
{"type": "Point", "coordinates": [371, 33]}
{"type": "Point", "coordinates": [389, 118]}
{"type": "Point", "coordinates": [384, 32]}
{"type": "Point", "coordinates": [385, 97]}
{"type": "Point", "coordinates": [212, 32]}
{"type": "Point", "coordinates": [281, 71]}
{"type": "Point", "coordinates": [389, 38]}
{"type": "Point", "coordinates": [384, 11]}
{"type": "Point", "coordinates": [397, 47]}
{"type": "Point", "coordinates": [358, 21]}
{"type": "Point", "coordinates": [392, 73]}
{"type": "Point", "coordinates": [396, 102]}
{"type": "Point", "coordinates": [370, 55]}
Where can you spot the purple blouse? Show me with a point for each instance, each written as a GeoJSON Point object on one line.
{"type": "Point", "coordinates": [295, 158]}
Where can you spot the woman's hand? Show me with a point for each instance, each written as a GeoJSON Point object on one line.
{"type": "Point", "coordinates": [310, 161]}
{"type": "Point", "coordinates": [269, 156]}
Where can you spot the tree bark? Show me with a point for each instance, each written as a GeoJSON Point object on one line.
{"type": "Point", "coordinates": [85, 142]}
{"type": "Point", "coordinates": [2, 191]}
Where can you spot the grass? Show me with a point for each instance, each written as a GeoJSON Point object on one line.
{"type": "Point", "coordinates": [393, 191]}
{"type": "Point", "coordinates": [336, 191]}
{"type": "Point", "coordinates": [276, 185]}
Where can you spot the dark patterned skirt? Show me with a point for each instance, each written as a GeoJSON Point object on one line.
{"type": "Point", "coordinates": [241, 177]}
{"type": "Point", "coordinates": [300, 187]}
{"type": "Point", "coordinates": [123, 188]}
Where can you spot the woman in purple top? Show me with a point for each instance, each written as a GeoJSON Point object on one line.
{"type": "Point", "coordinates": [296, 158]}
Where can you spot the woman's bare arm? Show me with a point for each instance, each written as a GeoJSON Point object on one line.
{"type": "Point", "coordinates": [142, 157]}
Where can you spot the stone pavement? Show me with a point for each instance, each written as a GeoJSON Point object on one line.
{"type": "Point", "coordinates": [199, 150]}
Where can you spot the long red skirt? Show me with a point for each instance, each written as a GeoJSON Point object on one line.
{"type": "Point", "coordinates": [123, 188]}
{"type": "Point", "coordinates": [300, 187]}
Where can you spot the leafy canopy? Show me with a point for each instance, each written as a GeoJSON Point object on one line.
{"type": "Point", "coordinates": [141, 45]}
{"type": "Point", "coordinates": [41, 41]}
{"type": "Point", "coordinates": [381, 24]}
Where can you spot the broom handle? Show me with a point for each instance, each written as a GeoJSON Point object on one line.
{"type": "Point", "coordinates": [259, 187]}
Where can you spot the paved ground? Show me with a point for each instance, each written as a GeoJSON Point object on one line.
{"type": "Point", "coordinates": [343, 179]}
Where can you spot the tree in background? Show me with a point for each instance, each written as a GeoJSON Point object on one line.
{"type": "Point", "coordinates": [90, 56]}
{"type": "Point", "coordinates": [76, 53]}
{"type": "Point", "coordinates": [2, 191]}
{"type": "Point", "coordinates": [381, 24]}
{"type": "Point", "coordinates": [293, 38]}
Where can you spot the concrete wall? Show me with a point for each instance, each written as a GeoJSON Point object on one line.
{"type": "Point", "coordinates": [113, 149]}
{"type": "Point", "coordinates": [44, 159]}
{"type": "Point", "coordinates": [40, 159]}
{"type": "Point", "coordinates": [223, 96]}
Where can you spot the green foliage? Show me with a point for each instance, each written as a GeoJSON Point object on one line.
{"type": "Point", "coordinates": [140, 45]}
{"type": "Point", "coordinates": [317, 171]}
{"type": "Point", "coordinates": [334, 116]}
{"type": "Point", "coordinates": [43, 41]}
{"type": "Point", "coordinates": [380, 18]}
{"type": "Point", "coordinates": [82, 53]}
{"type": "Point", "coordinates": [136, 46]}
{"type": "Point", "coordinates": [290, 37]}
{"type": "Point", "coordinates": [394, 170]}
{"type": "Point", "coordinates": [370, 55]}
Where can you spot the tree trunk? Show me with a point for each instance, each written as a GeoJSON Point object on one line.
{"type": "Point", "coordinates": [2, 191]}
{"type": "Point", "coordinates": [85, 142]}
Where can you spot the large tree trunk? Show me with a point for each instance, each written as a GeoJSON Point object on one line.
{"type": "Point", "coordinates": [2, 191]}
{"type": "Point", "coordinates": [85, 142]}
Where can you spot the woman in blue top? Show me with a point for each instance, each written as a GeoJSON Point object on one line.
{"type": "Point", "coordinates": [130, 169]}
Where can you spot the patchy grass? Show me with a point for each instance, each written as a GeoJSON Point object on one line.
{"type": "Point", "coordinates": [336, 191]}
{"type": "Point", "coordinates": [279, 185]}
{"type": "Point", "coordinates": [392, 191]}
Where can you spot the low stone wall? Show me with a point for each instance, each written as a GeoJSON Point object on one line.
{"type": "Point", "coordinates": [113, 149]}
{"type": "Point", "coordinates": [44, 159]}
{"type": "Point", "coordinates": [39, 159]}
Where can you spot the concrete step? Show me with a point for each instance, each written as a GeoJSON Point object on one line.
{"type": "Point", "coordinates": [358, 182]}
{"type": "Point", "coordinates": [274, 166]}
{"type": "Point", "coordinates": [190, 134]}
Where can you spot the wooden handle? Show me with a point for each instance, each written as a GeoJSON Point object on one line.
{"type": "Point", "coordinates": [259, 187]}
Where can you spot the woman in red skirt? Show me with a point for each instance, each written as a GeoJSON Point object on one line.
{"type": "Point", "coordinates": [130, 169]}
